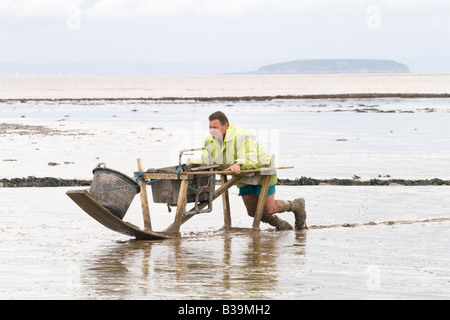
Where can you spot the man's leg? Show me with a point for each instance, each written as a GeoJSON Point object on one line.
{"type": "Point", "coordinates": [251, 202]}
{"type": "Point", "coordinates": [273, 206]}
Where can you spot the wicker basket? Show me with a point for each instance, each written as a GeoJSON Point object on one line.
{"type": "Point", "coordinates": [112, 189]}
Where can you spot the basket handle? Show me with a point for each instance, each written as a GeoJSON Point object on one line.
{"type": "Point", "coordinates": [101, 165]}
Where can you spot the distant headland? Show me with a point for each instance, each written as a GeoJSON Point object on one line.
{"type": "Point", "coordinates": [333, 66]}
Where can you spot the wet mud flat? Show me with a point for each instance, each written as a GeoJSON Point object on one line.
{"type": "Point", "coordinates": [400, 138]}
{"type": "Point", "coordinates": [363, 243]}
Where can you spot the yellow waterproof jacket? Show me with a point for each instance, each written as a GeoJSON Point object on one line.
{"type": "Point", "coordinates": [239, 146]}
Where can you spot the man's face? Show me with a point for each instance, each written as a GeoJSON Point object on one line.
{"type": "Point", "coordinates": [215, 127]}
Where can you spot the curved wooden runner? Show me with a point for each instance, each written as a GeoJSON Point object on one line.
{"type": "Point", "coordinates": [84, 200]}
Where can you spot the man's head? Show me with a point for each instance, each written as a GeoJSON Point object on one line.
{"type": "Point", "coordinates": [218, 124]}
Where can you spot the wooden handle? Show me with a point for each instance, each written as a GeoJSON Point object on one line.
{"type": "Point", "coordinates": [232, 173]}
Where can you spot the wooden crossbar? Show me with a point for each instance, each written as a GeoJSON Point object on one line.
{"type": "Point", "coordinates": [186, 174]}
{"type": "Point", "coordinates": [228, 172]}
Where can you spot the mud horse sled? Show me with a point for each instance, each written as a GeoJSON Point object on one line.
{"type": "Point", "coordinates": [112, 192]}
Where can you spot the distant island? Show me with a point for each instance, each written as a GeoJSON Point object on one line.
{"type": "Point", "coordinates": [333, 66]}
{"type": "Point", "coordinates": [161, 68]}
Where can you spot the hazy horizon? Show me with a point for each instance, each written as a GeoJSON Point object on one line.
{"type": "Point", "coordinates": [225, 36]}
{"type": "Point", "coordinates": [166, 68]}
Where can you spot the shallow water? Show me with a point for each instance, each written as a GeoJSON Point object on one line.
{"type": "Point", "coordinates": [363, 242]}
{"type": "Point", "coordinates": [408, 143]}
{"type": "Point", "coordinates": [53, 250]}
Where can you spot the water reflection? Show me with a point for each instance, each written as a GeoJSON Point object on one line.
{"type": "Point", "coordinates": [238, 264]}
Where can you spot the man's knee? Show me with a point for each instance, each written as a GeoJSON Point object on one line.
{"type": "Point", "coordinates": [269, 208]}
{"type": "Point", "coordinates": [252, 203]}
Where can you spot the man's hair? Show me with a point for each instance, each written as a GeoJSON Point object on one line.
{"type": "Point", "coordinates": [219, 115]}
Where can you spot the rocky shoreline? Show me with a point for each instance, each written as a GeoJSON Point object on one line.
{"type": "Point", "coordinates": [33, 182]}
{"type": "Point", "coordinates": [237, 98]}
{"type": "Point", "coordinates": [304, 181]}
{"type": "Point", "coordinates": [48, 182]}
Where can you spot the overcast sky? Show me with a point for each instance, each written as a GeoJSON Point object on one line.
{"type": "Point", "coordinates": [221, 30]}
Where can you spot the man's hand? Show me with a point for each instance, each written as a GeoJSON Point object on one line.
{"type": "Point", "coordinates": [236, 168]}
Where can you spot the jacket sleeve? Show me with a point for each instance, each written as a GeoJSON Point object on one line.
{"type": "Point", "coordinates": [248, 152]}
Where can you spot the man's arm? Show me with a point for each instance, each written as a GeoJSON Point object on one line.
{"type": "Point", "coordinates": [247, 155]}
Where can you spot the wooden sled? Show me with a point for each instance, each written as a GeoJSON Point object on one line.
{"type": "Point", "coordinates": [84, 200]}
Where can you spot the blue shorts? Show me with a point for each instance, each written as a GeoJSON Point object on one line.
{"type": "Point", "coordinates": [252, 189]}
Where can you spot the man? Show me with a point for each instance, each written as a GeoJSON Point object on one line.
{"type": "Point", "coordinates": [228, 144]}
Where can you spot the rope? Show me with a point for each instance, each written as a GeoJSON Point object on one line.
{"type": "Point", "coordinates": [139, 176]}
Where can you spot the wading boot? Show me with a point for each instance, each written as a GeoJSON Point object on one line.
{"type": "Point", "coordinates": [276, 222]}
{"type": "Point", "coordinates": [298, 208]}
